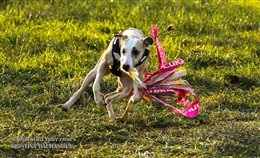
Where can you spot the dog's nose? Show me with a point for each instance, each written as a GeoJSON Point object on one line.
{"type": "Point", "coordinates": [126, 67]}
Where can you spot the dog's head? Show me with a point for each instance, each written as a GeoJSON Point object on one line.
{"type": "Point", "coordinates": [132, 50]}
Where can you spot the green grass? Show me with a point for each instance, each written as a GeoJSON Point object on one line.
{"type": "Point", "coordinates": [48, 47]}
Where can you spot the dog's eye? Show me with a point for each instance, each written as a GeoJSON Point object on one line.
{"type": "Point", "coordinates": [123, 51]}
{"type": "Point", "coordinates": [135, 51]}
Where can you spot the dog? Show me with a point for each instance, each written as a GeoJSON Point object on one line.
{"type": "Point", "coordinates": [125, 52]}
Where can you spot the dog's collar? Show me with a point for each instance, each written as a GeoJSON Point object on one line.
{"type": "Point", "coordinates": [115, 68]}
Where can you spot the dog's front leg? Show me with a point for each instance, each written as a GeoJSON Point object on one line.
{"type": "Point", "coordinates": [109, 105]}
{"type": "Point", "coordinates": [130, 103]}
{"type": "Point", "coordinates": [133, 99]}
{"type": "Point", "coordinates": [123, 90]}
{"type": "Point", "coordinates": [102, 70]}
{"type": "Point", "coordinates": [119, 95]}
{"type": "Point", "coordinates": [128, 107]}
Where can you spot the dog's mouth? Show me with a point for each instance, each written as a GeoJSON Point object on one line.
{"type": "Point", "coordinates": [134, 74]}
{"type": "Point", "coordinates": [123, 70]}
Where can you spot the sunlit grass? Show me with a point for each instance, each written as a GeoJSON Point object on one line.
{"type": "Point", "coordinates": [48, 47]}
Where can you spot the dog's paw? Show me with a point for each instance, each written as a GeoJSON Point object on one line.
{"type": "Point", "coordinates": [107, 100]}
{"type": "Point", "coordinates": [63, 107]}
{"type": "Point", "coordinates": [99, 99]}
{"type": "Point", "coordinates": [101, 102]}
{"type": "Point", "coordinates": [121, 119]}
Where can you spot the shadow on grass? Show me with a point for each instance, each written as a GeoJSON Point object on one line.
{"type": "Point", "coordinates": [210, 62]}
{"type": "Point", "coordinates": [28, 152]}
{"type": "Point", "coordinates": [241, 107]}
{"type": "Point", "coordinates": [241, 150]}
{"type": "Point", "coordinates": [235, 150]}
{"type": "Point", "coordinates": [241, 139]}
{"type": "Point", "coordinates": [244, 83]}
{"type": "Point", "coordinates": [202, 85]}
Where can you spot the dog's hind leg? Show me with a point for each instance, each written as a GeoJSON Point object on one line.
{"type": "Point", "coordinates": [88, 79]}
{"type": "Point", "coordinates": [102, 70]}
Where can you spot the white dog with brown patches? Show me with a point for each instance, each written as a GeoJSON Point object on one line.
{"type": "Point", "coordinates": [125, 52]}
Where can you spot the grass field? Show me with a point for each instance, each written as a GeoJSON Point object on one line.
{"type": "Point", "coordinates": [47, 48]}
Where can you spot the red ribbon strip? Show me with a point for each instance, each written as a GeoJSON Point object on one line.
{"type": "Point", "coordinates": [155, 84]}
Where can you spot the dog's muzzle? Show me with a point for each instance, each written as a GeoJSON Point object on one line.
{"type": "Point", "coordinates": [126, 67]}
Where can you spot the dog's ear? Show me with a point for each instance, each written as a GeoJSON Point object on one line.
{"type": "Point", "coordinates": [147, 41]}
{"type": "Point", "coordinates": [121, 36]}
